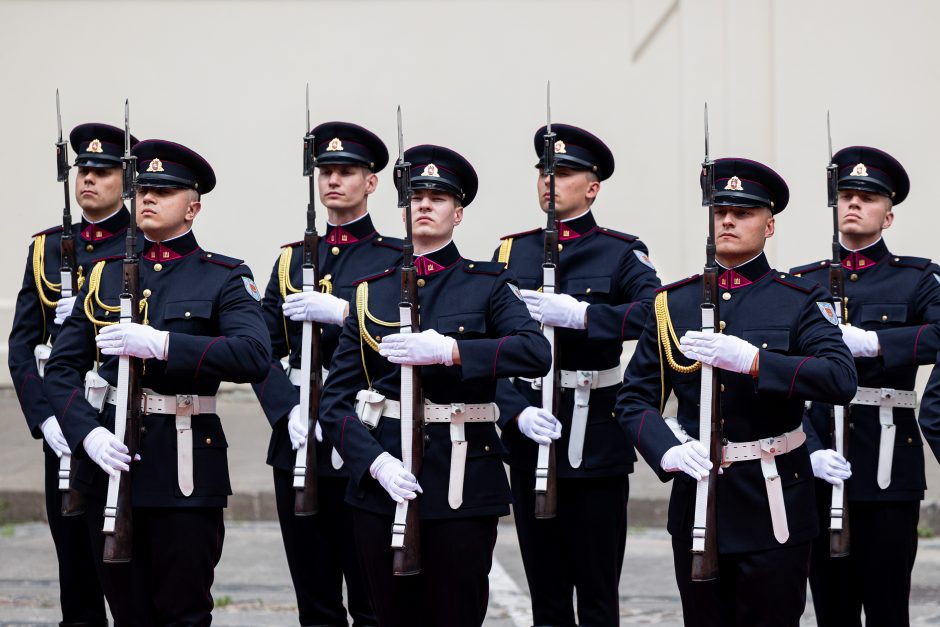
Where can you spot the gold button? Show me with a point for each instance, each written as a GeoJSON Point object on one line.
{"type": "Point", "coordinates": [560, 247]}
{"type": "Point", "coordinates": [147, 293]}
{"type": "Point", "coordinates": [853, 277]}
{"type": "Point", "coordinates": [157, 267]}
{"type": "Point", "coordinates": [328, 277]}
{"type": "Point", "coordinates": [208, 254]}
{"type": "Point", "coordinates": [472, 265]}
{"type": "Point", "coordinates": [208, 440]}
{"type": "Point", "coordinates": [421, 282]}
{"type": "Point", "coordinates": [796, 475]}
{"type": "Point", "coordinates": [587, 291]}
{"type": "Point", "coordinates": [721, 325]}
{"type": "Point", "coordinates": [884, 318]}
{"type": "Point", "coordinates": [783, 276]}
{"type": "Point", "coordinates": [910, 440]}
{"type": "Point", "coordinates": [187, 315]}
{"type": "Point", "coordinates": [897, 259]}
{"type": "Point", "coordinates": [89, 247]}
{"type": "Point", "coordinates": [487, 448]}
{"type": "Point", "coordinates": [822, 263]}
{"type": "Point", "coordinates": [460, 329]}
{"type": "Point", "coordinates": [378, 338]}
{"type": "Point", "coordinates": [107, 313]}
{"type": "Point", "coordinates": [726, 296]}
{"type": "Point", "coordinates": [722, 387]}
{"type": "Point", "coordinates": [613, 414]}
{"type": "Point", "coordinates": [335, 250]}
{"type": "Point", "coordinates": [764, 345]}
{"type": "Point", "coordinates": [378, 239]}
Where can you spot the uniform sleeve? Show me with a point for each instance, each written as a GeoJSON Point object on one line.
{"type": "Point", "coordinates": [519, 348]}
{"type": "Point", "coordinates": [819, 366]}
{"type": "Point", "coordinates": [29, 330]}
{"type": "Point", "coordinates": [338, 417]}
{"type": "Point", "coordinates": [638, 400]}
{"type": "Point", "coordinates": [814, 439]}
{"type": "Point", "coordinates": [929, 417]}
{"type": "Point", "coordinates": [636, 284]}
{"type": "Point", "coordinates": [917, 344]}
{"type": "Point", "coordinates": [276, 394]}
{"type": "Point", "coordinates": [72, 356]}
{"type": "Point", "coordinates": [241, 354]}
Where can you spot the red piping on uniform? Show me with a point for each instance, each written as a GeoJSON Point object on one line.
{"type": "Point", "coordinates": [793, 381]}
{"type": "Point", "coordinates": [199, 365]}
{"type": "Point", "coordinates": [496, 356]}
{"type": "Point", "coordinates": [917, 339]}
{"type": "Point", "coordinates": [66, 410]}
{"type": "Point", "coordinates": [623, 324]}
{"type": "Point", "coordinates": [264, 385]}
{"type": "Point", "coordinates": [640, 430]}
{"type": "Point", "coordinates": [342, 434]}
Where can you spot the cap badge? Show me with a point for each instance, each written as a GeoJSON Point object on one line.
{"type": "Point", "coordinates": [334, 145]}
{"type": "Point", "coordinates": [95, 146]}
{"type": "Point", "coordinates": [430, 170]}
{"type": "Point", "coordinates": [560, 148]}
{"type": "Point", "coordinates": [734, 184]}
{"type": "Point", "coordinates": [860, 170]}
{"type": "Point", "coordinates": [155, 166]}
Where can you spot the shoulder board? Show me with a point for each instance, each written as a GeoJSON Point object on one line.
{"type": "Point", "coordinates": [54, 229]}
{"type": "Point", "coordinates": [372, 277]}
{"type": "Point", "coordinates": [111, 258]}
{"type": "Point", "coordinates": [389, 242]}
{"type": "Point", "coordinates": [624, 236]}
{"type": "Point", "coordinates": [678, 283]}
{"type": "Point", "coordinates": [292, 244]}
{"type": "Point", "coordinates": [494, 268]}
{"type": "Point", "coordinates": [920, 263]}
{"type": "Point", "coordinates": [530, 232]}
{"type": "Point", "coordinates": [798, 283]}
{"type": "Point", "coordinates": [811, 267]}
{"type": "Point", "coordinates": [222, 260]}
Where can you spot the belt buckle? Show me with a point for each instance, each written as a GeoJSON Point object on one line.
{"type": "Point", "coordinates": [768, 445]}
{"type": "Point", "coordinates": [888, 393]}
{"type": "Point", "coordinates": [456, 409]}
{"type": "Point", "coordinates": [184, 404]}
{"type": "Point", "coordinates": [143, 403]}
{"type": "Point", "coordinates": [585, 378]}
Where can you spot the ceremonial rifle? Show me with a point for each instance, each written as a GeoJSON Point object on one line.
{"type": "Point", "coordinates": [118, 523]}
{"type": "Point", "coordinates": [311, 359]}
{"type": "Point", "coordinates": [546, 491]}
{"type": "Point", "coordinates": [704, 530]}
{"type": "Point", "coordinates": [406, 538]}
{"type": "Point", "coordinates": [73, 503]}
{"type": "Point", "coordinates": [839, 508]}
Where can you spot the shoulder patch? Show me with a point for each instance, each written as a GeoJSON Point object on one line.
{"type": "Point", "coordinates": [798, 283]}
{"type": "Point", "coordinates": [828, 311]}
{"type": "Point", "coordinates": [811, 267]}
{"type": "Point", "coordinates": [678, 283]}
{"type": "Point", "coordinates": [388, 242]}
{"type": "Point", "coordinates": [494, 268]}
{"type": "Point", "coordinates": [920, 263]}
{"type": "Point", "coordinates": [292, 244]}
{"type": "Point", "coordinates": [222, 260]}
{"type": "Point", "coordinates": [523, 233]}
{"type": "Point", "coordinates": [936, 276]}
{"type": "Point", "coordinates": [54, 229]}
{"type": "Point", "coordinates": [603, 230]}
{"type": "Point", "coordinates": [252, 288]}
{"type": "Point", "coordinates": [372, 277]}
{"type": "Point", "coordinates": [644, 259]}
{"type": "Point", "coordinates": [515, 290]}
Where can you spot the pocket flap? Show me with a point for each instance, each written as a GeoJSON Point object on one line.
{"type": "Point", "coordinates": [885, 312]}
{"type": "Point", "coordinates": [769, 339]}
{"type": "Point", "coordinates": [471, 322]}
{"type": "Point", "coordinates": [187, 309]}
{"type": "Point", "coordinates": [587, 285]}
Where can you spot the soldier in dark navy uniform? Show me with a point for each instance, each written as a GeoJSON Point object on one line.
{"type": "Point", "coordinates": [201, 324]}
{"type": "Point", "coordinates": [893, 315]}
{"type": "Point", "coordinates": [777, 347]}
{"type": "Point", "coordinates": [37, 320]}
{"type": "Point", "coordinates": [320, 549]}
{"type": "Point", "coordinates": [607, 284]}
{"type": "Point", "coordinates": [476, 330]}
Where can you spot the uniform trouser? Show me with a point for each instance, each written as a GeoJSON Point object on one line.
{"type": "Point", "coordinates": [79, 592]}
{"type": "Point", "coordinates": [321, 552]}
{"type": "Point", "coordinates": [173, 557]}
{"type": "Point", "coordinates": [766, 588]}
{"type": "Point", "coordinates": [452, 589]}
{"type": "Point", "coordinates": [580, 549]}
{"type": "Point", "coordinates": [876, 574]}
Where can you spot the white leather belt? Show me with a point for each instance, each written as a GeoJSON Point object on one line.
{"type": "Point", "coordinates": [885, 399]}
{"type": "Point", "coordinates": [582, 382]}
{"type": "Point", "coordinates": [766, 450]}
{"type": "Point", "coordinates": [372, 406]}
{"type": "Point", "coordinates": [295, 378]}
{"type": "Point", "coordinates": [184, 407]}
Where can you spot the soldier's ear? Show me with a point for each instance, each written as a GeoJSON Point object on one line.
{"type": "Point", "coordinates": [771, 226]}
{"type": "Point", "coordinates": [372, 181]}
{"type": "Point", "coordinates": [458, 215]}
{"type": "Point", "coordinates": [193, 209]}
{"type": "Point", "coordinates": [889, 220]}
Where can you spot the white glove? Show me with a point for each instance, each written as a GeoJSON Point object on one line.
{"type": "Point", "coordinates": [54, 438]}
{"type": "Point", "coordinates": [315, 307]}
{"type": "Point", "coordinates": [64, 308]}
{"type": "Point", "coordinates": [862, 343]}
{"type": "Point", "coordinates": [539, 425]}
{"type": "Point", "coordinates": [296, 428]}
{"type": "Point", "coordinates": [830, 466]}
{"type": "Point", "coordinates": [317, 431]}
{"type": "Point", "coordinates": [555, 310]}
{"type": "Point", "coordinates": [136, 340]}
{"type": "Point", "coordinates": [418, 349]}
{"type": "Point", "coordinates": [107, 451]}
{"type": "Point", "coordinates": [691, 458]}
{"type": "Point", "coordinates": [391, 474]}
{"type": "Point", "coordinates": [719, 350]}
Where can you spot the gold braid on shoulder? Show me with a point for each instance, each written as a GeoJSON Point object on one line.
{"type": "Point", "coordinates": [362, 313]}
{"type": "Point", "coordinates": [39, 274]}
{"type": "Point", "coordinates": [286, 287]}
{"type": "Point", "coordinates": [666, 334]}
{"type": "Point", "coordinates": [93, 298]}
{"type": "Point", "coordinates": [504, 250]}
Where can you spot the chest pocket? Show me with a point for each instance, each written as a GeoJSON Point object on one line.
{"type": "Point", "coordinates": [588, 286]}
{"type": "Point", "coordinates": [188, 314]}
{"type": "Point", "coordinates": [885, 313]}
{"type": "Point", "coordinates": [472, 324]}
{"type": "Point", "coordinates": [777, 340]}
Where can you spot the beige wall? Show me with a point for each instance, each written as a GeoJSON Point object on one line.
{"type": "Point", "coordinates": [227, 79]}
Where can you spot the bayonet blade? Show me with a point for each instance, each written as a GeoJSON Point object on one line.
{"type": "Point", "coordinates": [401, 139]}
{"type": "Point", "coordinates": [548, 106]}
{"type": "Point", "coordinates": [127, 127]}
{"type": "Point", "coordinates": [307, 130]}
{"type": "Point", "coordinates": [706, 133]}
{"type": "Point", "coordinates": [829, 133]}
{"type": "Point", "coordinates": [58, 114]}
